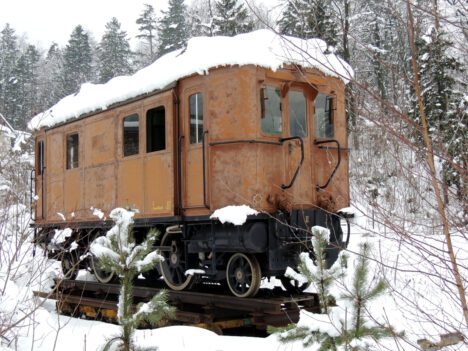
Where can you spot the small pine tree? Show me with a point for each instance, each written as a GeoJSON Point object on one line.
{"type": "Point", "coordinates": [231, 18]}
{"type": "Point", "coordinates": [147, 27]}
{"type": "Point", "coordinates": [118, 252]}
{"type": "Point", "coordinates": [318, 274]}
{"type": "Point", "coordinates": [334, 332]}
{"type": "Point", "coordinates": [173, 27]}
{"type": "Point", "coordinates": [360, 294]}
{"type": "Point", "coordinates": [114, 52]}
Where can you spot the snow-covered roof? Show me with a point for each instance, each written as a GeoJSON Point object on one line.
{"type": "Point", "coordinates": [262, 48]}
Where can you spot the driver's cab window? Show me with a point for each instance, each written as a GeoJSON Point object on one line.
{"type": "Point", "coordinates": [270, 102]}
{"type": "Point", "coordinates": [324, 116]}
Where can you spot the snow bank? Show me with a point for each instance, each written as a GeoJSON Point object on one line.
{"type": "Point", "coordinates": [262, 48]}
{"type": "Point", "coordinates": [236, 215]}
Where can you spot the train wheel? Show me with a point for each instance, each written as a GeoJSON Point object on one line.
{"type": "Point", "coordinates": [174, 266]}
{"type": "Point", "coordinates": [293, 286]}
{"type": "Point", "coordinates": [243, 275]}
{"type": "Point", "coordinates": [70, 265]}
{"type": "Point", "coordinates": [101, 275]}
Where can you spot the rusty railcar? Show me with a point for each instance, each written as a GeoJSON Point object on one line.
{"type": "Point", "coordinates": [241, 134]}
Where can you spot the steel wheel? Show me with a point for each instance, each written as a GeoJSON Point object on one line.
{"type": "Point", "coordinates": [70, 265]}
{"type": "Point", "coordinates": [174, 266]}
{"type": "Point", "coordinates": [243, 275]}
{"type": "Point", "coordinates": [293, 286]}
{"type": "Point", "coordinates": [101, 275]}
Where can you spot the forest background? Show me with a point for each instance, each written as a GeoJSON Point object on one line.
{"type": "Point", "coordinates": [407, 112]}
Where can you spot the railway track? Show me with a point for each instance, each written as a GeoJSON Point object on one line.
{"type": "Point", "coordinates": [207, 308]}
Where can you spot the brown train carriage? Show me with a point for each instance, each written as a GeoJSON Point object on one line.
{"type": "Point", "coordinates": [274, 140]}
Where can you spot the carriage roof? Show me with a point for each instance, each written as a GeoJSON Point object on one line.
{"type": "Point", "coordinates": [263, 48]}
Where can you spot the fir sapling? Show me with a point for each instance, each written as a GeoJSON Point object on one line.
{"type": "Point", "coordinates": [342, 325]}
{"type": "Point", "coordinates": [117, 251]}
{"type": "Point", "coordinates": [361, 292]}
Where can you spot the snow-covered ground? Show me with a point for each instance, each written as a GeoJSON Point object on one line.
{"type": "Point", "coordinates": [421, 301]}
{"type": "Point", "coordinates": [416, 296]}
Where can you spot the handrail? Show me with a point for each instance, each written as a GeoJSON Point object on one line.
{"type": "Point", "coordinates": [319, 142]}
{"type": "Point", "coordinates": [282, 140]}
{"type": "Point", "coordinates": [32, 178]}
{"type": "Point", "coordinates": [204, 170]}
{"type": "Point", "coordinates": [179, 175]}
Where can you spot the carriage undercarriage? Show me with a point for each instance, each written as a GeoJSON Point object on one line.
{"type": "Point", "coordinates": [205, 251]}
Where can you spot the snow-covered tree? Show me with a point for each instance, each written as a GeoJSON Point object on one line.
{"type": "Point", "coordinates": [118, 252]}
{"type": "Point", "coordinates": [77, 61]}
{"type": "Point", "coordinates": [147, 28]}
{"type": "Point", "coordinates": [26, 87]}
{"type": "Point", "coordinates": [9, 55]}
{"type": "Point", "coordinates": [444, 104]}
{"type": "Point", "coordinates": [200, 20]}
{"type": "Point", "coordinates": [231, 18]}
{"type": "Point", "coordinates": [114, 52]}
{"type": "Point", "coordinates": [309, 19]}
{"type": "Point", "coordinates": [173, 27]}
{"type": "Point", "coordinates": [51, 82]}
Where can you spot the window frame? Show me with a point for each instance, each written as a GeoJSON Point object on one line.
{"type": "Point", "coordinates": [330, 101]}
{"type": "Point", "coordinates": [40, 159]}
{"type": "Point", "coordinates": [263, 109]}
{"type": "Point", "coordinates": [134, 114]}
{"type": "Point", "coordinates": [68, 164]}
{"type": "Point", "coordinates": [158, 107]}
{"type": "Point", "coordinates": [199, 138]}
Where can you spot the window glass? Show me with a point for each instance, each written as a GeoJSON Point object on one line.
{"type": "Point", "coordinates": [270, 102]}
{"type": "Point", "coordinates": [156, 129]}
{"type": "Point", "coordinates": [72, 151]}
{"type": "Point", "coordinates": [131, 136]}
{"type": "Point", "coordinates": [196, 118]}
{"type": "Point", "coordinates": [324, 116]}
{"type": "Point", "coordinates": [40, 158]}
{"type": "Point", "coordinates": [297, 113]}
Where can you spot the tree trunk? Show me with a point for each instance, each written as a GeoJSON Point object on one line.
{"type": "Point", "coordinates": [433, 172]}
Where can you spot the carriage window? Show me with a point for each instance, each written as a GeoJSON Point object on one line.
{"type": "Point", "coordinates": [40, 157]}
{"type": "Point", "coordinates": [196, 118]}
{"type": "Point", "coordinates": [297, 114]}
{"type": "Point", "coordinates": [156, 129]}
{"type": "Point", "coordinates": [324, 116]}
{"type": "Point", "coordinates": [270, 102]}
{"type": "Point", "coordinates": [72, 151]}
{"type": "Point", "coordinates": [131, 137]}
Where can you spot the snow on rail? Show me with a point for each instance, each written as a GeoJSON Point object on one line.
{"type": "Point", "coordinates": [262, 48]}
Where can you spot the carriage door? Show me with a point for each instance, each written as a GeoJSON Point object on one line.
{"type": "Point", "coordinates": [195, 172]}
{"type": "Point", "coordinates": [40, 169]}
{"type": "Point", "coordinates": [298, 173]}
{"type": "Point", "coordinates": [159, 167]}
